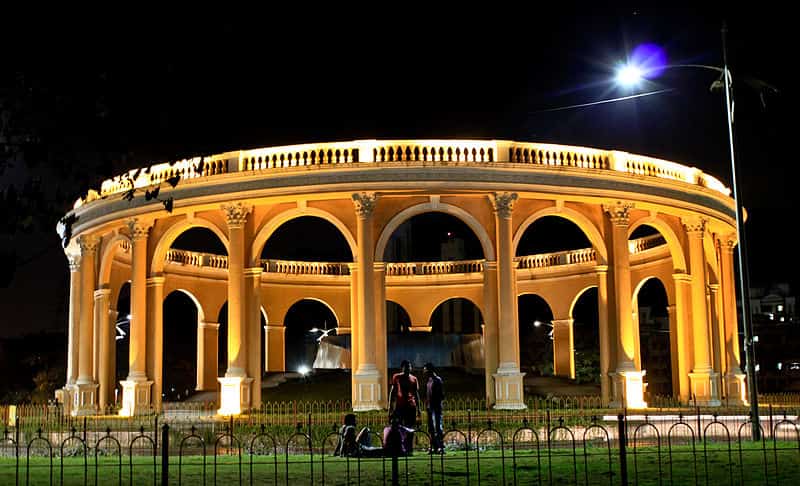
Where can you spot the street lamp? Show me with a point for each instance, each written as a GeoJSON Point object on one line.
{"type": "Point", "coordinates": [631, 75]}
{"type": "Point", "coordinates": [540, 323]}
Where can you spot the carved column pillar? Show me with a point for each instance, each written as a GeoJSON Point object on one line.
{"type": "Point", "coordinates": [85, 396]}
{"type": "Point", "coordinates": [680, 327]}
{"type": "Point", "coordinates": [606, 338]}
{"type": "Point", "coordinates": [207, 352]}
{"type": "Point", "coordinates": [236, 385]}
{"type": "Point", "coordinates": [381, 362]}
{"type": "Point", "coordinates": [490, 343]}
{"type": "Point", "coordinates": [366, 380]}
{"type": "Point", "coordinates": [65, 394]}
{"type": "Point", "coordinates": [274, 347]}
{"type": "Point", "coordinates": [703, 378]}
{"type": "Point", "coordinates": [136, 388]}
{"type": "Point", "coordinates": [106, 332]}
{"type": "Point", "coordinates": [563, 348]}
{"type": "Point", "coordinates": [508, 379]}
{"type": "Point", "coordinates": [253, 287]}
{"type": "Point", "coordinates": [735, 388]}
{"type": "Point", "coordinates": [155, 338]}
{"type": "Point", "coordinates": [354, 325]}
{"type": "Point", "coordinates": [627, 380]}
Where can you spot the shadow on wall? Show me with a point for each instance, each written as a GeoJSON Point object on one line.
{"type": "Point", "coordinates": [443, 350]}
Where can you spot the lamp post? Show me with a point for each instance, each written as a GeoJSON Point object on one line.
{"type": "Point", "coordinates": [631, 75]}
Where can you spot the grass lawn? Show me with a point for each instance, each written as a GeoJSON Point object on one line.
{"type": "Point", "coordinates": [453, 468]}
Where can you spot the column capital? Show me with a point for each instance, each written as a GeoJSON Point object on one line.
{"type": "Point", "coordinates": [694, 226]}
{"type": "Point", "coordinates": [208, 325]}
{"type": "Point", "coordinates": [728, 243]}
{"type": "Point", "coordinates": [379, 266]}
{"type": "Point", "coordinates": [601, 269]}
{"type": "Point", "coordinates": [365, 203]}
{"type": "Point", "coordinates": [253, 272]}
{"type": "Point", "coordinates": [74, 262]}
{"type": "Point", "coordinates": [682, 277]}
{"type": "Point", "coordinates": [139, 229]}
{"type": "Point", "coordinates": [503, 203]}
{"type": "Point", "coordinates": [101, 294]}
{"type": "Point", "coordinates": [275, 327]}
{"type": "Point", "coordinates": [618, 212]}
{"type": "Point", "coordinates": [236, 213]}
{"type": "Point", "coordinates": [713, 287]}
{"type": "Point", "coordinates": [155, 281]}
{"type": "Point", "coordinates": [88, 243]}
{"type": "Point", "coordinates": [489, 265]}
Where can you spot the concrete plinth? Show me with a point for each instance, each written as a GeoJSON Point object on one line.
{"type": "Point", "coordinates": [627, 389]}
{"type": "Point", "coordinates": [135, 397]}
{"type": "Point", "coordinates": [735, 389]}
{"type": "Point", "coordinates": [84, 399]}
{"type": "Point", "coordinates": [235, 394]}
{"type": "Point", "coordinates": [367, 387]}
{"type": "Point", "coordinates": [704, 388]}
{"type": "Point", "coordinates": [508, 388]}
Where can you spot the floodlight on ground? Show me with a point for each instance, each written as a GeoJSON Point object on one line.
{"type": "Point", "coordinates": [303, 370]}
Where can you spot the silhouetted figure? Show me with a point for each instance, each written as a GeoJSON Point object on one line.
{"type": "Point", "coordinates": [404, 401]}
{"type": "Point", "coordinates": [434, 398]}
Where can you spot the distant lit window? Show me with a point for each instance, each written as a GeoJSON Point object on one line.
{"type": "Point", "coordinates": [771, 316]}
{"type": "Point", "coordinates": [780, 307]}
{"type": "Point", "coordinates": [758, 367]}
{"type": "Point", "coordinates": [780, 366]}
{"type": "Point", "coordinates": [781, 319]}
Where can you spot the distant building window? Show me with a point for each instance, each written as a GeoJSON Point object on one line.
{"type": "Point", "coordinates": [780, 308]}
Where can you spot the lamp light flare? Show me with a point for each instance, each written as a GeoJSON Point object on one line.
{"type": "Point", "coordinates": [629, 75]}
{"type": "Point", "coordinates": [303, 370]}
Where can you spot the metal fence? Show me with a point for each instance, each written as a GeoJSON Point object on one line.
{"type": "Point", "coordinates": [621, 449]}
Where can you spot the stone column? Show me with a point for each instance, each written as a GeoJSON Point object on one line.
{"type": "Point", "coordinates": [207, 354]}
{"type": "Point", "coordinates": [703, 378]}
{"type": "Point", "coordinates": [112, 356]}
{"type": "Point", "coordinates": [605, 338]}
{"type": "Point", "coordinates": [679, 327]}
{"type": "Point", "coordinates": [136, 388]}
{"type": "Point", "coordinates": [563, 348]}
{"type": "Point", "coordinates": [274, 348]}
{"type": "Point", "coordinates": [734, 378]}
{"type": "Point", "coordinates": [253, 291]}
{"type": "Point", "coordinates": [366, 380]}
{"type": "Point", "coordinates": [155, 338]}
{"type": "Point", "coordinates": [490, 328]}
{"type": "Point", "coordinates": [714, 302]}
{"type": "Point", "coordinates": [65, 395]}
{"type": "Point", "coordinates": [627, 380]}
{"type": "Point", "coordinates": [508, 379]}
{"type": "Point", "coordinates": [236, 385]}
{"type": "Point", "coordinates": [380, 330]}
{"type": "Point", "coordinates": [106, 332]}
{"type": "Point", "coordinates": [85, 391]}
{"type": "Point", "coordinates": [354, 326]}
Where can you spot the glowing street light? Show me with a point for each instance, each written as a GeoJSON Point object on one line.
{"type": "Point", "coordinates": [303, 370]}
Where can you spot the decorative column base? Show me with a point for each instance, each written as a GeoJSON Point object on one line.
{"type": "Point", "coordinates": [367, 389]}
{"type": "Point", "coordinates": [235, 394]}
{"type": "Point", "coordinates": [84, 399]}
{"type": "Point", "coordinates": [64, 397]}
{"type": "Point", "coordinates": [508, 388]}
{"type": "Point", "coordinates": [705, 390]}
{"type": "Point", "coordinates": [135, 397]}
{"type": "Point", "coordinates": [736, 389]}
{"type": "Point", "coordinates": [627, 389]}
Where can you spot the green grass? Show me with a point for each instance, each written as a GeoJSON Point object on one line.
{"type": "Point", "coordinates": [643, 468]}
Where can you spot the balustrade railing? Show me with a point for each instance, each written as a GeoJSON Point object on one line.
{"type": "Point", "coordinates": [434, 151]}
{"type": "Point", "coordinates": [305, 268]}
{"type": "Point", "coordinates": [197, 259]}
{"type": "Point", "coordinates": [434, 268]}
{"type": "Point", "coordinates": [542, 260]}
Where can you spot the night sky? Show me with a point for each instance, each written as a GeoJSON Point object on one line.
{"type": "Point", "coordinates": [92, 98]}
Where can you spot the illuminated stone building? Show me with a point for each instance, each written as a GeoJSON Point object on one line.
{"type": "Point", "coordinates": [367, 189]}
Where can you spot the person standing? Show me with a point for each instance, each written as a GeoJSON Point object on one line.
{"type": "Point", "coordinates": [434, 398]}
{"type": "Point", "coordinates": [404, 399]}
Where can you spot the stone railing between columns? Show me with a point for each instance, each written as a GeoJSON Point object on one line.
{"type": "Point", "coordinates": [408, 151]}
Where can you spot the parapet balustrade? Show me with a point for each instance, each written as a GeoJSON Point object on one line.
{"type": "Point", "coordinates": [442, 152]}
{"type": "Point", "coordinates": [291, 267]}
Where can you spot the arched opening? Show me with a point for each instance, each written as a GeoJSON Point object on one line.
{"type": "Point", "coordinates": [397, 319]}
{"type": "Point", "coordinates": [654, 338]}
{"type": "Point", "coordinates": [309, 239]}
{"type": "Point", "coordinates": [456, 316]}
{"type": "Point", "coordinates": [535, 335]}
{"type": "Point", "coordinates": [586, 338]}
{"type": "Point", "coordinates": [433, 237]}
{"type": "Point", "coordinates": [123, 339]}
{"type": "Point", "coordinates": [201, 240]}
{"type": "Point", "coordinates": [550, 234]}
{"type": "Point", "coordinates": [179, 352]}
{"type": "Point", "coordinates": [307, 323]}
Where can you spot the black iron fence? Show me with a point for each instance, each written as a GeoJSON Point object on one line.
{"type": "Point", "coordinates": [621, 449]}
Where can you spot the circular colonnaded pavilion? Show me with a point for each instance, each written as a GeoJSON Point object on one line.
{"type": "Point", "coordinates": [366, 189]}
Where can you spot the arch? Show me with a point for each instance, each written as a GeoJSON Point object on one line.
{"type": "Point", "coordinates": [577, 297]}
{"type": "Point", "coordinates": [201, 316]}
{"type": "Point", "coordinates": [453, 297]}
{"type": "Point", "coordinates": [429, 207]}
{"type": "Point", "coordinates": [273, 224]}
{"type": "Point", "coordinates": [289, 307]}
{"type": "Point", "coordinates": [401, 311]}
{"type": "Point", "coordinates": [169, 236]}
{"type": "Point", "coordinates": [584, 223]}
{"type": "Point", "coordinates": [674, 245]}
{"type": "Point", "coordinates": [107, 257]}
{"type": "Point", "coordinates": [643, 351]}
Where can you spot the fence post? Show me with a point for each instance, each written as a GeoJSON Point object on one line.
{"type": "Point", "coordinates": [623, 460]}
{"type": "Point", "coordinates": [165, 455]}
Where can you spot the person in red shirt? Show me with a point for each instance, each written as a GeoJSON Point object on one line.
{"type": "Point", "coordinates": [404, 399]}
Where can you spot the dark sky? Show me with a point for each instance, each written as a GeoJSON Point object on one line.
{"type": "Point", "coordinates": [102, 96]}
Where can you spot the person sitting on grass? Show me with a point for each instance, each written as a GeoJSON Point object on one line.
{"type": "Point", "coordinates": [351, 444]}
